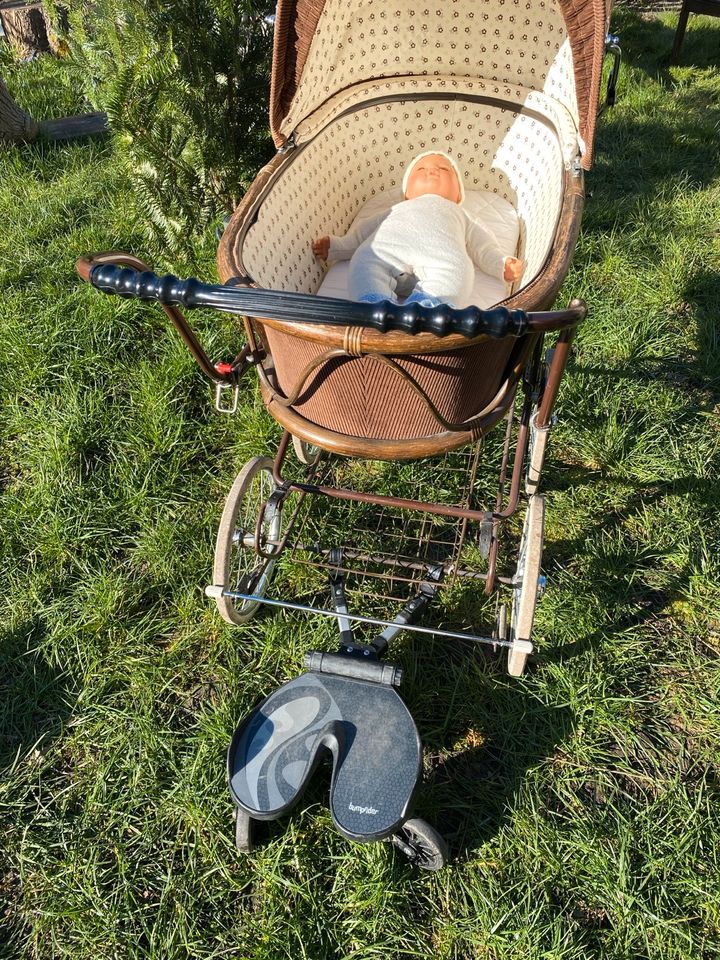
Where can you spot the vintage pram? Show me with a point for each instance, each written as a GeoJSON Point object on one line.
{"type": "Point", "coordinates": [510, 88]}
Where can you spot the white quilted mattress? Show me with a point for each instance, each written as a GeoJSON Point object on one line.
{"type": "Point", "coordinates": [493, 212]}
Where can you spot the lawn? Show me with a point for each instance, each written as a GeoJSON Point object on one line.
{"type": "Point", "coordinates": [580, 802]}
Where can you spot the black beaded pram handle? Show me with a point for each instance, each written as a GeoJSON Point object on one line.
{"type": "Point", "coordinates": [498, 322]}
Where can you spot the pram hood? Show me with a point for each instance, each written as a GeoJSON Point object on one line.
{"type": "Point", "coordinates": [329, 54]}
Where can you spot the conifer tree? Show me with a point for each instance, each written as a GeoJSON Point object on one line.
{"type": "Point", "coordinates": [185, 85]}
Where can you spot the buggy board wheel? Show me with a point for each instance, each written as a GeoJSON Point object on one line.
{"type": "Point", "coordinates": [422, 845]}
{"type": "Point", "coordinates": [237, 564]}
{"type": "Point", "coordinates": [306, 452]}
{"type": "Point", "coordinates": [525, 592]}
{"type": "Point", "coordinates": [243, 831]}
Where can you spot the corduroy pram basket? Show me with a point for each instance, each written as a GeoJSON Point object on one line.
{"type": "Point", "coordinates": [510, 89]}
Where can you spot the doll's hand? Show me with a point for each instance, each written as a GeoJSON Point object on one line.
{"type": "Point", "coordinates": [513, 269]}
{"type": "Point", "coordinates": [321, 247]}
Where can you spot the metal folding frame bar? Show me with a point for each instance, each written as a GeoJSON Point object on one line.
{"type": "Point", "coordinates": [527, 647]}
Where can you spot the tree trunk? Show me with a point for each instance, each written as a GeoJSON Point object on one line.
{"type": "Point", "coordinates": [15, 124]}
{"type": "Point", "coordinates": [26, 27]}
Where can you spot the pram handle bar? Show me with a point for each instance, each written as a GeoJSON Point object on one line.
{"type": "Point", "coordinates": [470, 322]}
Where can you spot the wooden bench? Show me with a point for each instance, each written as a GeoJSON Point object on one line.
{"type": "Point", "coordinates": [710, 8]}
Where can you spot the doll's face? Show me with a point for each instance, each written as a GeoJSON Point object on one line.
{"type": "Point", "coordinates": [433, 174]}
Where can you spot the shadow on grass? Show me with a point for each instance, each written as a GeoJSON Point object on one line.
{"type": "Point", "coordinates": [623, 579]}
{"type": "Point", "coordinates": [702, 292]}
{"type": "Point", "coordinates": [637, 152]}
{"type": "Point", "coordinates": [34, 696]}
{"type": "Point", "coordinates": [649, 41]}
{"type": "Point", "coordinates": [700, 46]}
{"type": "Point", "coordinates": [467, 793]}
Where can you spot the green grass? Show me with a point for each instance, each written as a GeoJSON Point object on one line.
{"type": "Point", "coordinates": [581, 802]}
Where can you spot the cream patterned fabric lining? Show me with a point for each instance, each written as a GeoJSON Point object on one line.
{"type": "Point", "coordinates": [413, 87]}
{"type": "Point", "coordinates": [518, 42]}
{"type": "Point", "coordinates": [515, 156]}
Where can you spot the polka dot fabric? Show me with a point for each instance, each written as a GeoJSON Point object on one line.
{"type": "Point", "coordinates": [450, 88]}
{"type": "Point", "coordinates": [523, 43]}
{"type": "Point", "coordinates": [515, 155]}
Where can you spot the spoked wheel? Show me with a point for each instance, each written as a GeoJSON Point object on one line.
{"type": "Point", "coordinates": [238, 566]}
{"type": "Point", "coordinates": [307, 453]}
{"type": "Point", "coordinates": [525, 593]}
{"type": "Point", "coordinates": [421, 844]}
{"type": "Point", "coordinates": [243, 831]}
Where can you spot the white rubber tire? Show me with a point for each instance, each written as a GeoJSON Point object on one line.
{"type": "Point", "coordinates": [306, 452]}
{"type": "Point", "coordinates": [538, 444]}
{"type": "Point", "coordinates": [528, 575]}
{"type": "Point", "coordinates": [249, 491]}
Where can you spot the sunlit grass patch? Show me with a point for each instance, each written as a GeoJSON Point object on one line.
{"type": "Point", "coordinates": [580, 802]}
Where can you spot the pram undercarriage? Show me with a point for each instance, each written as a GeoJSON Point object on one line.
{"type": "Point", "coordinates": [420, 555]}
{"type": "Point", "coordinates": [396, 551]}
{"type": "Point", "coordinates": [395, 542]}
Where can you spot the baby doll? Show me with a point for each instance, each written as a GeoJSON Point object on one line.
{"type": "Point", "coordinates": [428, 234]}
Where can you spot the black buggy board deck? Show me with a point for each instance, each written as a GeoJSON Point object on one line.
{"type": "Point", "coordinates": [366, 727]}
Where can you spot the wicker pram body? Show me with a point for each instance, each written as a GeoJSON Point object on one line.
{"type": "Point", "coordinates": [510, 90]}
